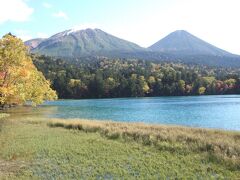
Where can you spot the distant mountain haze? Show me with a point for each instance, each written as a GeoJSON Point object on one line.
{"type": "Point", "coordinates": [178, 46]}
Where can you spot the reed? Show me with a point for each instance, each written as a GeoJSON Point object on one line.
{"type": "Point", "coordinates": [222, 146]}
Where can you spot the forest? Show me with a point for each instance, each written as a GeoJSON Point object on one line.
{"type": "Point", "coordinates": [108, 78]}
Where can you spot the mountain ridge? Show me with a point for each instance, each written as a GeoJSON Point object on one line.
{"type": "Point", "coordinates": [178, 46]}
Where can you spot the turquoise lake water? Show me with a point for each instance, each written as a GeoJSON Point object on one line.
{"type": "Point", "coordinates": [222, 112]}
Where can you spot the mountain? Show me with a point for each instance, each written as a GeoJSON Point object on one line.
{"type": "Point", "coordinates": [183, 43]}
{"type": "Point", "coordinates": [179, 46]}
{"type": "Point", "coordinates": [33, 43]}
{"type": "Point", "coordinates": [77, 43]}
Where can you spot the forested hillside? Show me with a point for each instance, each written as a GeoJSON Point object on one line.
{"type": "Point", "coordinates": [102, 78]}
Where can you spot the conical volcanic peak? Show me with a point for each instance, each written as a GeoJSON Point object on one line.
{"type": "Point", "coordinates": [184, 43]}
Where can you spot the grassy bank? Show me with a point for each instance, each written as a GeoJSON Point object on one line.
{"type": "Point", "coordinates": [57, 149]}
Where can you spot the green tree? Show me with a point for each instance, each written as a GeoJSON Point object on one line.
{"type": "Point", "coordinates": [109, 85]}
{"type": "Point", "coordinates": [181, 86]}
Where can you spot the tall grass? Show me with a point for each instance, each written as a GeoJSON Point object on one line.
{"type": "Point", "coordinates": [219, 145]}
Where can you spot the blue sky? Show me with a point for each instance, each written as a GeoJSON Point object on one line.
{"type": "Point", "coordinates": [141, 21]}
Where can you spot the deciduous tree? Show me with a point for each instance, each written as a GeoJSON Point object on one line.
{"type": "Point", "coordinates": [20, 81]}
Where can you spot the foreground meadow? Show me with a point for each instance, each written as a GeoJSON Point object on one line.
{"type": "Point", "coordinates": [36, 148]}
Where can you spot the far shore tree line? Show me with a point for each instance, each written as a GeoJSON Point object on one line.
{"type": "Point", "coordinates": [108, 78]}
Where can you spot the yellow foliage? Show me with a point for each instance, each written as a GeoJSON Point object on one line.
{"type": "Point", "coordinates": [74, 83]}
{"type": "Point", "coordinates": [151, 79]}
{"type": "Point", "coordinates": [230, 82]}
{"type": "Point", "coordinates": [201, 90]}
{"type": "Point", "coordinates": [146, 88]}
{"type": "Point", "coordinates": [20, 81]}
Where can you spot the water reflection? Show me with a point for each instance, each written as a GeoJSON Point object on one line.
{"type": "Point", "coordinates": [36, 112]}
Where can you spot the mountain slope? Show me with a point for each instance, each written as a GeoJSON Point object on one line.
{"type": "Point", "coordinates": [183, 43]}
{"type": "Point", "coordinates": [179, 46]}
{"type": "Point", "coordinates": [76, 43]}
{"type": "Point", "coordinates": [33, 43]}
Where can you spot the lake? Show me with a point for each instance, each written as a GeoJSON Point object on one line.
{"type": "Point", "coordinates": [222, 112]}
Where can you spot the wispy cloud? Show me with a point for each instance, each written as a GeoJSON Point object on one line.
{"type": "Point", "coordinates": [47, 5]}
{"type": "Point", "coordinates": [60, 14]}
{"type": "Point", "coordinates": [14, 10]}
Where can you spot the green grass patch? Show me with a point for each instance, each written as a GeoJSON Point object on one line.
{"type": "Point", "coordinates": [222, 144]}
{"type": "Point", "coordinates": [31, 149]}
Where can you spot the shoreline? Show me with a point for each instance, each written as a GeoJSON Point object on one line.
{"type": "Point", "coordinates": [7, 114]}
{"type": "Point", "coordinates": [144, 124]}
{"type": "Point", "coordinates": [142, 97]}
